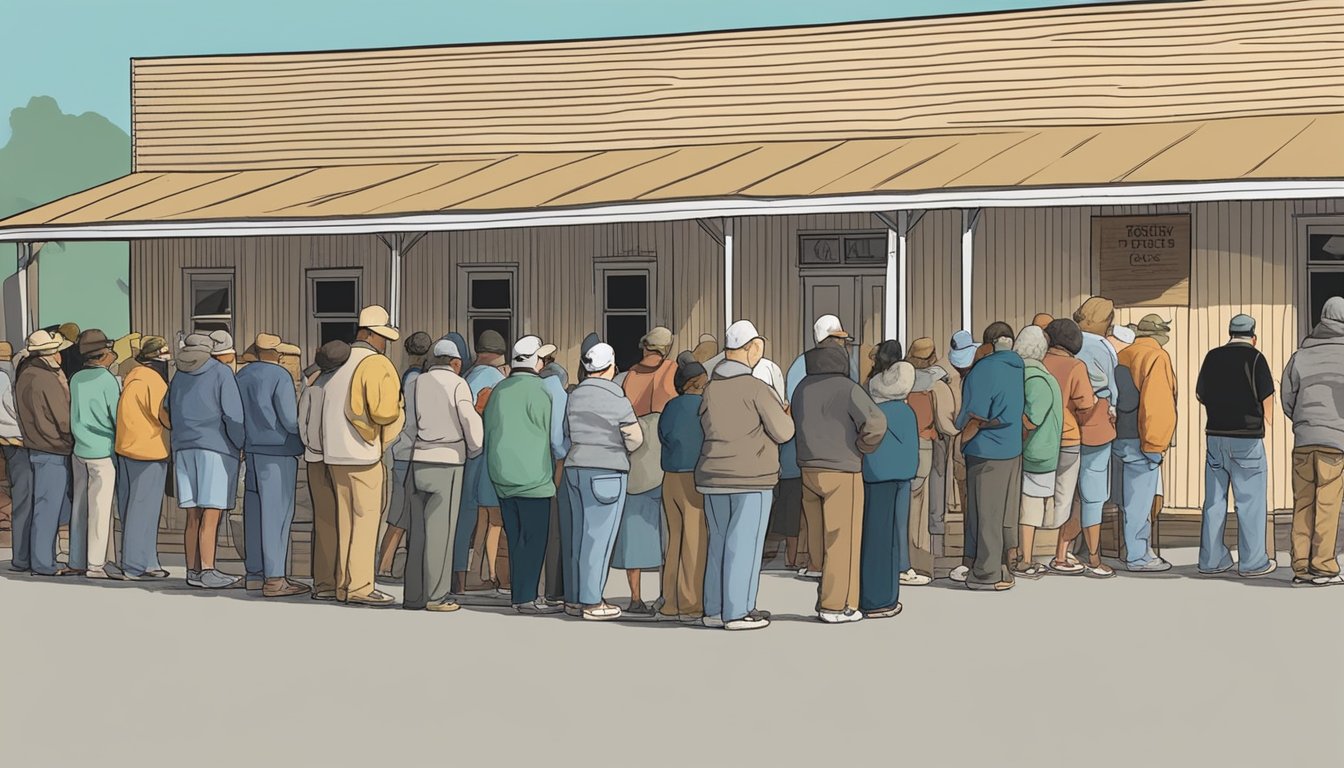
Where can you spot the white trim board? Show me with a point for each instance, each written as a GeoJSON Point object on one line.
{"type": "Point", "coordinates": [1127, 194]}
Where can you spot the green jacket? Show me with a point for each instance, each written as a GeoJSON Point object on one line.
{"type": "Point", "coordinates": [93, 412]}
{"type": "Point", "coordinates": [1045, 409]}
{"type": "Point", "coordinates": [518, 438]}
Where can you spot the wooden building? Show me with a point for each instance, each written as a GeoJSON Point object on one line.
{"type": "Point", "coordinates": [914, 176]}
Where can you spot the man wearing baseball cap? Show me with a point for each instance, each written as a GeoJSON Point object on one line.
{"type": "Point", "coordinates": [272, 447]}
{"type": "Point", "coordinates": [322, 493]}
{"type": "Point", "coordinates": [361, 415]}
{"type": "Point", "coordinates": [447, 430]}
{"type": "Point", "coordinates": [93, 417]}
{"type": "Point", "coordinates": [744, 423]}
{"type": "Point", "coordinates": [1145, 424]}
{"type": "Point", "coordinates": [42, 399]}
{"type": "Point", "coordinates": [935, 403]}
{"type": "Point", "coordinates": [142, 459]}
{"type": "Point", "coordinates": [1236, 388]}
{"type": "Point", "coordinates": [480, 505]}
{"type": "Point", "coordinates": [522, 469]}
{"type": "Point", "coordinates": [417, 347]}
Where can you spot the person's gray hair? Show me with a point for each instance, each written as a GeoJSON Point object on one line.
{"type": "Point", "coordinates": [1031, 343]}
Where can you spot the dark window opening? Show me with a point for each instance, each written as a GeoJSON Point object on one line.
{"type": "Point", "coordinates": [623, 333]}
{"type": "Point", "coordinates": [1326, 249]}
{"type": "Point", "coordinates": [628, 292]}
{"type": "Point", "coordinates": [335, 297]}
{"type": "Point", "coordinates": [1323, 285]}
{"type": "Point", "coordinates": [336, 330]}
{"type": "Point", "coordinates": [491, 293]}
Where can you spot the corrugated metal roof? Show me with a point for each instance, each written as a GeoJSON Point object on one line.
{"type": "Point", "coordinates": [1243, 149]}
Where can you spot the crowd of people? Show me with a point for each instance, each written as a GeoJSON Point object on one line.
{"type": "Point", "coordinates": [687, 464]}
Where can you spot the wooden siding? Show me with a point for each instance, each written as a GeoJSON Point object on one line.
{"type": "Point", "coordinates": [1140, 63]}
{"type": "Point", "coordinates": [1246, 258]}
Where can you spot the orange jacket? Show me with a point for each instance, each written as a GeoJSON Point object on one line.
{"type": "Point", "coordinates": [1150, 365]}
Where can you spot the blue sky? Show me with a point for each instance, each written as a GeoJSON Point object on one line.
{"type": "Point", "coordinates": [79, 52]}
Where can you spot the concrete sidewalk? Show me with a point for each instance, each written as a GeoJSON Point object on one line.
{"type": "Point", "coordinates": [1164, 670]}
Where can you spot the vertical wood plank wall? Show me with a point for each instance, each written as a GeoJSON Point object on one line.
{"type": "Point", "coordinates": [1246, 258]}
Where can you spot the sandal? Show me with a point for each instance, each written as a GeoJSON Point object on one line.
{"type": "Point", "coordinates": [1030, 571]}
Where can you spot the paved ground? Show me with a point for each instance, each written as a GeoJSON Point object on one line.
{"type": "Point", "coordinates": [1135, 671]}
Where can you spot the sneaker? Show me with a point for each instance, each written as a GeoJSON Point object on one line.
{"type": "Point", "coordinates": [840, 617]}
{"type": "Point", "coordinates": [959, 574]}
{"type": "Point", "coordinates": [1271, 567]}
{"type": "Point", "coordinates": [884, 613]}
{"type": "Point", "coordinates": [639, 608]}
{"type": "Point", "coordinates": [804, 573]}
{"type": "Point", "coordinates": [1102, 571]}
{"type": "Point", "coordinates": [96, 573]}
{"type": "Point", "coordinates": [1327, 581]}
{"type": "Point", "coordinates": [502, 592]}
{"type": "Point", "coordinates": [758, 614]}
{"type": "Point", "coordinates": [374, 599]}
{"type": "Point", "coordinates": [913, 578]}
{"type": "Point", "coordinates": [713, 622]}
{"type": "Point", "coordinates": [553, 602]}
{"type": "Point", "coordinates": [746, 622]}
{"type": "Point", "coordinates": [213, 579]}
{"type": "Point", "coordinates": [194, 579]}
{"type": "Point", "coordinates": [1217, 571]}
{"type": "Point", "coordinates": [536, 608]}
{"type": "Point", "coordinates": [1028, 570]}
{"type": "Point", "coordinates": [603, 612]}
{"type": "Point", "coordinates": [1066, 568]}
{"type": "Point", "coordinates": [1156, 565]}
{"type": "Point", "coordinates": [691, 618]}
{"type": "Point", "coordinates": [447, 606]}
{"type": "Point", "coordinates": [255, 584]}
{"type": "Point", "coordinates": [573, 609]}
{"type": "Point", "coordinates": [998, 586]}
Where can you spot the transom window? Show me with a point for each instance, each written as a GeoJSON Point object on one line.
{"type": "Point", "coordinates": [842, 249]}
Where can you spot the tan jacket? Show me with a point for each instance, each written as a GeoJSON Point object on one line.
{"type": "Point", "coordinates": [744, 424]}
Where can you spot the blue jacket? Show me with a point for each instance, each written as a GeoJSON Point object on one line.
{"type": "Point", "coordinates": [270, 410]}
{"type": "Point", "coordinates": [995, 390]}
{"type": "Point", "coordinates": [204, 405]}
{"type": "Point", "coordinates": [681, 434]}
{"type": "Point", "coordinates": [897, 456]}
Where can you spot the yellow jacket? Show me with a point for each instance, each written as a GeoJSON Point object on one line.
{"type": "Point", "coordinates": [142, 423]}
{"type": "Point", "coordinates": [1150, 365]}
{"type": "Point", "coordinates": [375, 408]}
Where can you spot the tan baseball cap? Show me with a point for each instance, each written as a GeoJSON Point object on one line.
{"type": "Point", "coordinates": [266, 341]}
{"type": "Point", "coordinates": [376, 319]}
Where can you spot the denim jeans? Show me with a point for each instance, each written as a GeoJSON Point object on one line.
{"type": "Point", "coordinates": [1139, 476]}
{"type": "Point", "coordinates": [1094, 482]}
{"type": "Point", "coordinates": [472, 476]}
{"type": "Point", "coordinates": [737, 523]}
{"type": "Point", "coordinates": [268, 511]}
{"type": "Point", "coordinates": [596, 501]}
{"type": "Point", "coordinates": [884, 550]}
{"type": "Point", "coordinates": [21, 494]}
{"type": "Point", "coordinates": [140, 487]}
{"type": "Point", "coordinates": [51, 497]}
{"type": "Point", "coordinates": [1238, 462]}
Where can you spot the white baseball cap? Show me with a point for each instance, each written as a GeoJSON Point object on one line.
{"type": "Point", "coordinates": [528, 349]}
{"type": "Point", "coordinates": [740, 334]}
{"type": "Point", "coordinates": [828, 326]}
{"type": "Point", "coordinates": [446, 348]}
{"type": "Point", "coordinates": [599, 358]}
{"type": "Point", "coordinates": [1123, 333]}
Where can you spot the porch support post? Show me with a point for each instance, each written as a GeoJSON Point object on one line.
{"type": "Point", "coordinates": [896, 292]}
{"type": "Point", "coordinates": [969, 216]}
{"type": "Point", "coordinates": [398, 246]}
{"type": "Point", "coordinates": [25, 320]}
{"type": "Point", "coordinates": [729, 235]}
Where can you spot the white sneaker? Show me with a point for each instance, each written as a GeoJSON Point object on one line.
{"type": "Point", "coordinates": [213, 579]}
{"type": "Point", "coordinates": [1327, 581]}
{"type": "Point", "coordinates": [747, 622]}
{"type": "Point", "coordinates": [840, 617]}
{"type": "Point", "coordinates": [804, 573]}
{"type": "Point", "coordinates": [713, 622]}
{"type": "Point", "coordinates": [603, 612]}
{"type": "Point", "coordinates": [913, 578]}
{"type": "Point", "coordinates": [194, 579]}
{"type": "Point", "coordinates": [959, 574]}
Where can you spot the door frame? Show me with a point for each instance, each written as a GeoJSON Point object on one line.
{"type": "Point", "coordinates": [857, 275]}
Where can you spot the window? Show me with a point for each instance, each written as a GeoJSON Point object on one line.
{"type": "Point", "coordinates": [855, 249]}
{"type": "Point", "coordinates": [1325, 267]}
{"type": "Point", "coordinates": [209, 301]}
{"type": "Point", "coordinates": [626, 311]}
{"type": "Point", "coordinates": [489, 296]}
{"type": "Point", "coordinates": [333, 302]}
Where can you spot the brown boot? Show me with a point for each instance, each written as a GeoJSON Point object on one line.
{"type": "Point", "coordinates": [283, 588]}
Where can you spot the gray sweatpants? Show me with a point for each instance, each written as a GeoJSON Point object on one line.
{"type": "Point", "coordinates": [435, 493]}
{"type": "Point", "coordinates": [994, 498]}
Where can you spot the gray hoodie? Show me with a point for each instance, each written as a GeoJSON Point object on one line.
{"type": "Point", "coordinates": [835, 420]}
{"type": "Point", "coordinates": [1313, 388]}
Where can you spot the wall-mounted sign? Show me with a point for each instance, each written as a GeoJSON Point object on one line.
{"type": "Point", "coordinates": [1143, 261]}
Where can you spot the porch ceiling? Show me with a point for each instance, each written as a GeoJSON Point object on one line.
{"type": "Point", "coordinates": [688, 181]}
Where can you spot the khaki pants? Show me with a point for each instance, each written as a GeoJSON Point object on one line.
{"type": "Point", "coordinates": [833, 505]}
{"type": "Point", "coordinates": [921, 540]}
{"type": "Point", "coordinates": [687, 546]}
{"type": "Point", "coordinates": [1318, 491]}
{"type": "Point", "coordinates": [325, 540]}
{"type": "Point", "coordinates": [359, 507]}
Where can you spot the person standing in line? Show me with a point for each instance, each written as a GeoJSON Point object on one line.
{"type": "Point", "coordinates": [639, 540]}
{"type": "Point", "coordinates": [935, 406]}
{"type": "Point", "coordinates": [322, 492]}
{"type": "Point", "coordinates": [744, 422]}
{"type": "Point", "coordinates": [17, 467]}
{"type": "Point", "coordinates": [141, 450]}
{"type": "Point", "coordinates": [1145, 425]}
{"type": "Point", "coordinates": [361, 415]}
{"type": "Point", "coordinates": [272, 447]}
{"type": "Point", "coordinates": [417, 346]}
{"type": "Point", "coordinates": [522, 469]}
{"type": "Point", "coordinates": [1042, 428]}
{"type": "Point", "coordinates": [1313, 399]}
{"type": "Point", "coordinates": [1236, 389]}
{"type": "Point", "coordinates": [1095, 318]}
{"type": "Point", "coordinates": [480, 505]}
{"type": "Point", "coordinates": [1042, 320]}
{"type": "Point", "coordinates": [206, 411]}
{"type": "Point", "coordinates": [94, 392]}
{"type": "Point", "coordinates": [42, 403]}
{"type": "Point", "coordinates": [1078, 398]}
{"type": "Point", "coordinates": [71, 362]}
{"type": "Point", "coordinates": [447, 431]}
{"type": "Point", "coordinates": [887, 476]}
{"type": "Point", "coordinates": [836, 423]}
{"type": "Point", "coordinates": [993, 401]}
{"type": "Point", "coordinates": [555, 379]}
{"type": "Point", "coordinates": [961, 357]}
{"type": "Point", "coordinates": [706, 349]}
{"type": "Point", "coordinates": [682, 439]}
{"type": "Point", "coordinates": [603, 432]}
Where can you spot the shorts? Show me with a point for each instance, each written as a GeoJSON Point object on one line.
{"type": "Point", "coordinates": [205, 479]}
{"type": "Point", "coordinates": [786, 516]}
